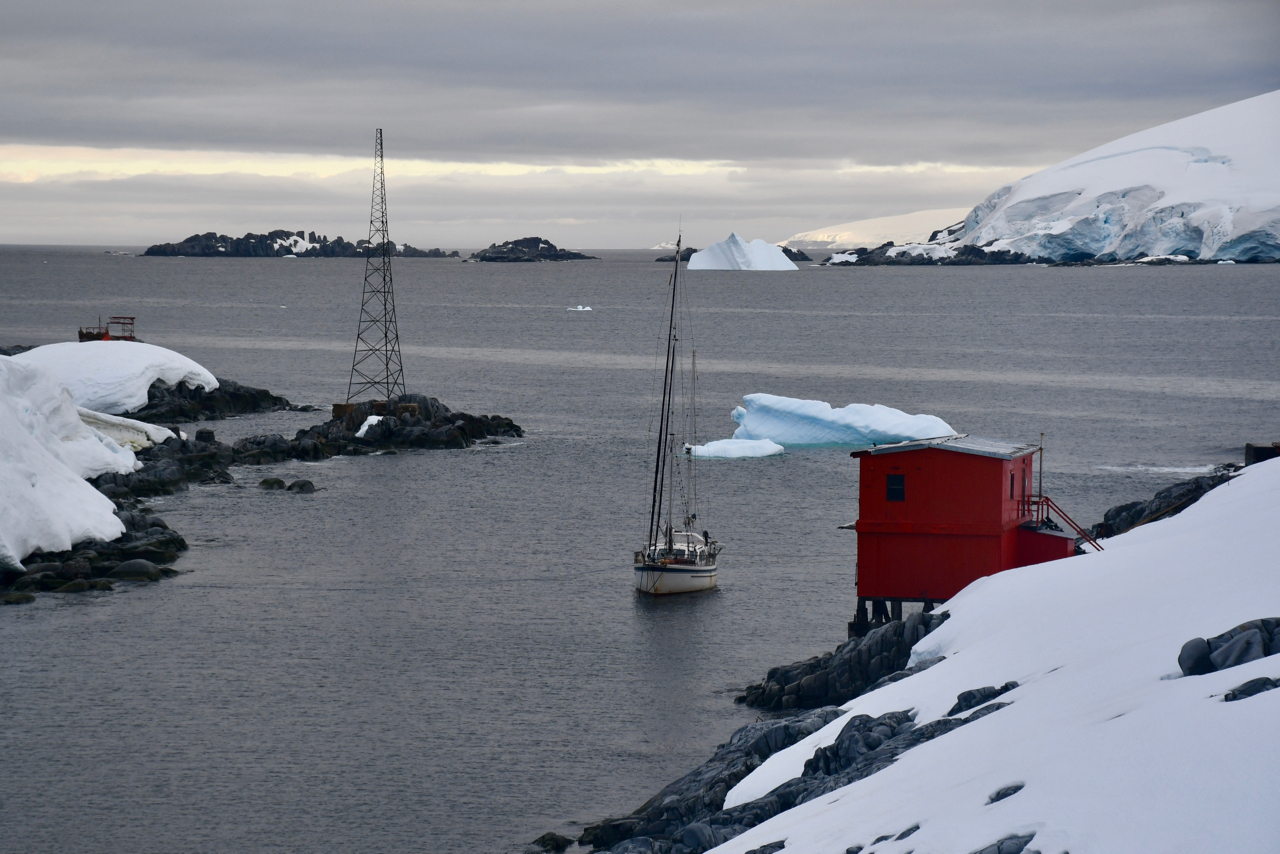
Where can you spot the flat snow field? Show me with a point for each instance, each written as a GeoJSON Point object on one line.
{"type": "Point", "coordinates": [1117, 750]}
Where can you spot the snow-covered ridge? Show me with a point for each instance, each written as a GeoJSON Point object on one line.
{"type": "Point", "coordinates": [1113, 748]}
{"type": "Point", "coordinates": [870, 233]}
{"type": "Point", "coordinates": [113, 376]}
{"type": "Point", "coordinates": [46, 454]}
{"type": "Point", "coordinates": [1207, 186]}
{"type": "Point", "coordinates": [734, 253]}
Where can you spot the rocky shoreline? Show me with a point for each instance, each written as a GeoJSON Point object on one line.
{"type": "Point", "coordinates": [688, 816]}
{"type": "Point", "coordinates": [148, 548]}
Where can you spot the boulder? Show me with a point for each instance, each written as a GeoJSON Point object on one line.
{"type": "Point", "coordinates": [80, 585]}
{"type": "Point", "coordinates": [271, 483]}
{"type": "Point", "coordinates": [17, 598]}
{"type": "Point", "coordinates": [136, 570]}
{"type": "Point", "coordinates": [306, 487]}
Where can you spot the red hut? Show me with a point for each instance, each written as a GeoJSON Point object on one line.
{"type": "Point", "coordinates": [936, 514]}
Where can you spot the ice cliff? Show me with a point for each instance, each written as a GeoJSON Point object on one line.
{"type": "Point", "coordinates": [735, 253]}
{"type": "Point", "coordinates": [1207, 186]}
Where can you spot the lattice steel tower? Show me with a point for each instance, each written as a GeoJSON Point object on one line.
{"type": "Point", "coordinates": [377, 364]}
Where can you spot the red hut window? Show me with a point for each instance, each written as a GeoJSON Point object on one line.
{"type": "Point", "coordinates": [895, 487]}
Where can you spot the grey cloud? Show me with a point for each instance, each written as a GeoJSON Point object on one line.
{"type": "Point", "coordinates": [875, 82]}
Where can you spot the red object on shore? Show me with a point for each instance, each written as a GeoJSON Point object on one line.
{"type": "Point", "coordinates": [937, 514]}
{"type": "Point", "coordinates": [123, 330]}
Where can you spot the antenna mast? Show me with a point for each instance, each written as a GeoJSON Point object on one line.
{"type": "Point", "coordinates": [376, 365]}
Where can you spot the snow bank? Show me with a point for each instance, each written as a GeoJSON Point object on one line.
{"type": "Point", "coordinates": [842, 258]}
{"type": "Point", "coordinates": [737, 254]}
{"type": "Point", "coordinates": [132, 434]}
{"type": "Point", "coordinates": [730, 449]}
{"type": "Point", "coordinates": [905, 228]}
{"type": "Point", "coordinates": [113, 376]}
{"type": "Point", "coordinates": [1117, 751]}
{"type": "Point", "coordinates": [1207, 186]}
{"type": "Point", "coordinates": [789, 422]}
{"type": "Point", "coordinates": [46, 453]}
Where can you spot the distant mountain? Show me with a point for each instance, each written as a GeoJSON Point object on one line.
{"type": "Point", "coordinates": [903, 228]}
{"type": "Point", "coordinates": [277, 244]}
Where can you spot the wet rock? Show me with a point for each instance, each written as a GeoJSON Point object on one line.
{"type": "Point", "coordinates": [306, 487]}
{"type": "Point", "coordinates": [181, 403]}
{"type": "Point", "coordinates": [135, 570]}
{"type": "Point", "coordinates": [204, 434]}
{"type": "Point", "coordinates": [17, 598]}
{"type": "Point", "coordinates": [856, 666]}
{"type": "Point", "coordinates": [1168, 502]}
{"type": "Point", "coordinates": [271, 483]}
{"type": "Point", "coordinates": [80, 585]}
{"type": "Point", "coordinates": [40, 581]}
{"type": "Point", "coordinates": [553, 842]}
{"type": "Point", "coordinates": [101, 584]}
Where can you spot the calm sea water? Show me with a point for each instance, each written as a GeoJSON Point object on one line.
{"type": "Point", "coordinates": [442, 651]}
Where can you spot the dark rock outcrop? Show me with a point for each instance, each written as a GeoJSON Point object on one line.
{"type": "Point", "coordinates": [1169, 501]}
{"type": "Point", "coordinates": [864, 747]}
{"type": "Point", "coordinates": [794, 254]}
{"type": "Point", "coordinates": [181, 403]}
{"type": "Point", "coordinates": [967, 700]}
{"type": "Point", "coordinates": [856, 666]}
{"type": "Point", "coordinates": [16, 349]}
{"type": "Point", "coordinates": [1246, 642]}
{"type": "Point", "coordinates": [1012, 844]}
{"type": "Point", "coordinates": [529, 249]}
{"type": "Point", "coordinates": [408, 251]}
{"type": "Point", "coordinates": [685, 254]}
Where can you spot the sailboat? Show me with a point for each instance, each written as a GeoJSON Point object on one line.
{"type": "Point", "coordinates": [677, 557]}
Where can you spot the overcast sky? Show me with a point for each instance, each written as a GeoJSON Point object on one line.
{"type": "Point", "coordinates": [591, 124]}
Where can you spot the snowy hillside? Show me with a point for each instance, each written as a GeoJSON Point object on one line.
{"type": "Point", "coordinates": [1103, 745]}
{"type": "Point", "coordinates": [46, 454]}
{"type": "Point", "coordinates": [1207, 186]}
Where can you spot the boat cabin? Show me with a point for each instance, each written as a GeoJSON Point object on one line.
{"type": "Point", "coordinates": [936, 514]}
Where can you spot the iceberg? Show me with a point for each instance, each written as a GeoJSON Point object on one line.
{"type": "Point", "coordinates": [732, 449]}
{"type": "Point", "coordinates": [113, 376]}
{"type": "Point", "coordinates": [45, 455]}
{"type": "Point", "coordinates": [791, 422]}
{"type": "Point", "coordinates": [735, 253]}
{"type": "Point", "coordinates": [1206, 186]}
{"type": "Point", "coordinates": [1101, 715]}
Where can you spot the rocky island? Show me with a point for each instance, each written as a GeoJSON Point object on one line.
{"type": "Point", "coordinates": [528, 249]}
{"type": "Point", "coordinates": [280, 244]}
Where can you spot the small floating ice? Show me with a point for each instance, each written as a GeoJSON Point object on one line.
{"type": "Point", "coordinates": [732, 449]}
{"type": "Point", "coordinates": [579, 308]}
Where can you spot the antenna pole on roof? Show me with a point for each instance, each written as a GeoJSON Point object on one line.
{"type": "Point", "coordinates": [1040, 488]}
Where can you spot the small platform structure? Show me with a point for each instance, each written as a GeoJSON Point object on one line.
{"type": "Point", "coordinates": [937, 514]}
{"type": "Point", "coordinates": [118, 328]}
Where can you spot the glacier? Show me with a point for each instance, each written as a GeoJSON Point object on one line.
{"type": "Point", "coordinates": [734, 253]}
{"type": "Point", "coordinates": [791, 422]}
{"type": "Point", "coordinates": [1101, 715]}
{"type": "Point", "coordinates": [113, 376]}
{"type": "Point", "coordinates": [903, 228]}
{"type": "Point", "coordinates": [733, 449]}
{"type": "Point", "coordinates": [46, 454]}
{"type": "Point", "coordinates": [1206, 186]}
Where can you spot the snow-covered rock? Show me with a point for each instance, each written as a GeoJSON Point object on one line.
{"type": "Point", "coordinates": [791, 422]}
{"type": "Point", "coordinates": [127, 432]}
{"type": "Point", "coordinates": [842, 259]}
{"type": "Point", "coordinates": [46, 452]}
{"type": "Point", "coordinates": [1114, 750]}
{"type": "Point", "coordinates": [732, 449]}
{"type": "Point", "coordinates": [1207, 186]}
{"type": "Point", "coordinates": [914, 227]}
{"type": "Point", "coordinates": [113, 376]}
{"type": "Point", "coordinates": [735, 253]}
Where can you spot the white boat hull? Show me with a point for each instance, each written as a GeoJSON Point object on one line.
{"type": "Point", "coordinates": [661, 581]}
